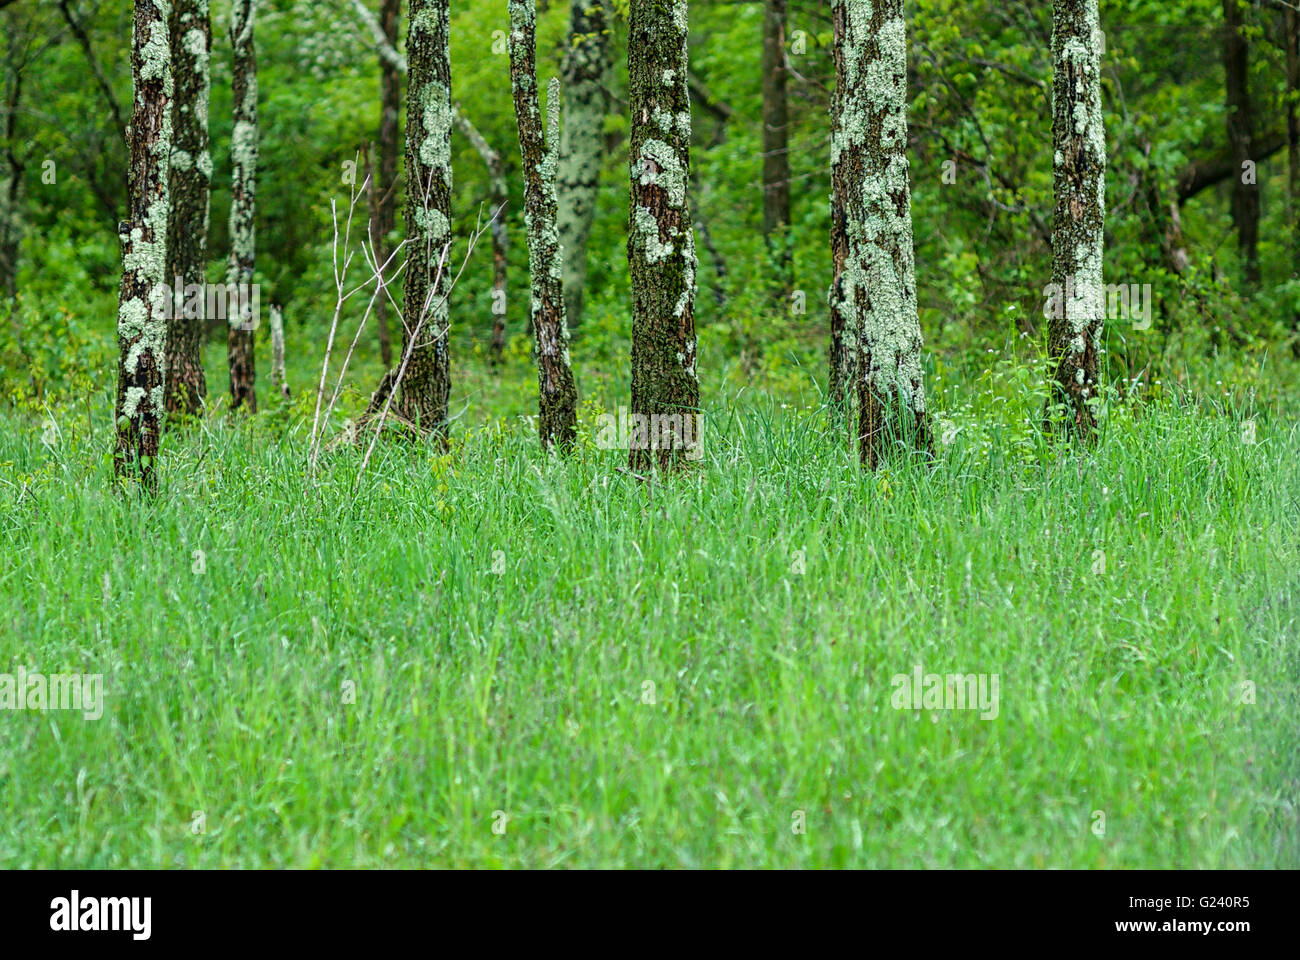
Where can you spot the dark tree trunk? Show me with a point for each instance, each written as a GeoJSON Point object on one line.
{"type": "Point", "coordinates": [243, 204]}
{"type": "Point", "coordinates": [776, 141]}
{"type": "Point", "coordinates": [1245, 195]}
{"type": "Point", "coordinates": [187, 222]}
{"type": "Point", "coordinates": [582, 148]}
{"type": "Point", "coordinates": [1079, 185]}
{"type": "Point", "coordinates": [427, 383]}
{"type": "Point", "coordinates": [557, 394]}
{"type": "Point", "coordinates": [10, 217]}
{"type": "Point", "coordinates": [875, 284]}
{"type": "Point", "coordinates": [1292, 32]}
{"type": "Point", "coordinates": [383, 212]}
{"type": "Point", "coordinates": [661, 244]}
{"type": "Point", "coordinates": [144, 294]}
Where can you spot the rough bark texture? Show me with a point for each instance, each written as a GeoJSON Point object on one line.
{"type": "Point", "coordinates": [279, 381]}
{"type": "Point", "coordinates": [874, 289]}
{"type": "Point", "coordinates": [10, 217]}
{"type": "Point", "coordinates": [557, 394]}
{"type": "Point", "coordinates": [843, 354]}
{"type": "Point", "coordinates": [190, 186]}
{"type": "Point", "coordinates": [1292, 38]}
{"type": "Point", "coordinates": [243, 188]}
{"type": "Point", "coordinates": [586, 70]}
{"type": "Point", "coordinates": [1245, 196]}
{"type": "Point", "coordinates": [383, 212]}
{"type": "Point", "coordinates": [144, 294]}
{"type": "Point", "coordinates": [427, 382]}
{"type": "Point", "coordinates": [776, 140]}
{"type": "Point", "coordinates": [1079, 186]}
{"type": "Point", "coordinates": [661, 244]}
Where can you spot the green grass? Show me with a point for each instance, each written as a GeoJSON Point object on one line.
{"type": "Point", "coordinates": [525, 690]}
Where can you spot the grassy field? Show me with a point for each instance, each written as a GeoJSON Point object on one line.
{"type": "Point", "coordinates": [495, 659]}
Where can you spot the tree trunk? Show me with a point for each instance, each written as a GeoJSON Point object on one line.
{"type": "Point", "coordinates": [187, 222]}
{"type": "Point", "coordinates": [661, 244]}
{"type": "Point", "coordinates": [144, 294]}
{"type": "Point", "coordinates": [383, 211]}
{"type": "Point", "coordinates": [243, 187]}
{"type": "Point", "coordinates": [586, 71]}
{"type": "Point", "coordinates": [875, 283]}
{"type": "Point", "coordinates": [1245, 193]}
{"type": "Point", "coordinates": [10, 215]}
{"type": "Point", "coordinates": [1292, 33]}
{"type": "Point", "coordinates": [557, 394]}
{"type": "Point", "coordinates": [776, 142]}
{"type": "Point", "coordinates": [427, 383]}
{"type": "Point", "coordinates": [1079, 185]}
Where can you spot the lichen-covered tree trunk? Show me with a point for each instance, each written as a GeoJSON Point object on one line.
{"type": "Point", "coordinates": [843, 355]}
{"type": "Point", "coordinates": [144, 293]}
{"type": "Point", "coordinates": [874, 289]}
{"type": "Point", "coordinates": [187, 224]}
{"type": "Point", "coordinates": [1076, 327]}
{"type": "Point", "coordinates": [586, 72]}
{"type": "Point", "coordinates": [557, 394]}
{"type": "Point", "coordinates": [427, 383]}
{"type": "Point", "coordinates": [661, 243]}
{"type": "Point", "coordinates": [1245, 192]}
{"type": "Point", "coordinates": [776, 142]}
{"type": "Point", "coordinates": [243, 188]}
{"type": "Point", "coordinates": [384, 187]}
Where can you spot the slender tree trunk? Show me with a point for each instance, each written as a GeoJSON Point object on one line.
{"type": "Point", "coordinates": [187, 223]}
{"type": "Point", "coordinates": [498, 197]}
{"type": "Point", "coordinates": [843, 355]}
{"type": "Point", "coordinates": [243, 188]}
{"type": "Point", "coordinates": [10, 216]}
{"type": "Point", "coordinates": [1079, 184]}
{"type": "Point", "coordinates": [557, 394]}
{"type": "Point", "coordinates": [661, 244]}
{"type": "Point", "coordinates": [144, 294]}
{"type": "Point", "coordinates": [427, 383]}
{"type": "Point", "coordinates": [875, 286]}
{"type": "Point", "coordinates": [776, 142]}
{"type": "Point", "coordinates": [279, 381]}
{"type": "Point", "coordinates": [1292, 31]}
{"type": "Point", "coordinates": [582, 148]}
{"type": "Point", "coordinates": [1245, 193]}
{"type": "Point", "coordinates": [383, 212]}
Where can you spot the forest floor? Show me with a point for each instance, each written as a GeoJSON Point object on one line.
{"type": "Point", "coordinates": [495, 658]}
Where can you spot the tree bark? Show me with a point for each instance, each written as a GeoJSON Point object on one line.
{"type": "Point", "coordinates": [1245, 195]}
{"type": "Point", "coordinates": [661, 244]}
{"type": "Point", "coordinates": [144, 294]}
{"type": "Point", "coordinates": [243, 188]}
{"type": "Point", "coordinates": [427, 383]}
{"type": "Point", "coordinates": [557, 394]}
{"type": "Point", "coordinates": [776, 142]}
{"type": "Point", "coordinates": [586, 71]}
{"type": "Point", "coordinates": [874, 281]}
{"type": "Point", "coordinates": [383, 211]}
{"type": "Point", "coordinates": [1076, 329]}
{"type": "Point", "coordinates": [188, 218]}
